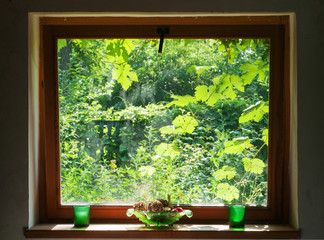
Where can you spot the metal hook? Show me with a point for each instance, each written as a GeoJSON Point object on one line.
{"type": "Point", "coordinates": [162, 31]}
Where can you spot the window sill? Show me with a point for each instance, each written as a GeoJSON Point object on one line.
{"type": "Point", "coordinates": [252, 231]}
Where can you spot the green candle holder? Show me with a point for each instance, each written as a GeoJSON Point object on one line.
{"type": "Point", "coordinates": [81, 216]}
{"type": "Point", "coordinates": [236, 216]}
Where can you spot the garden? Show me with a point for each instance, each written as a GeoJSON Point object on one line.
{"type": "Point", "coordinates": [190, 122]}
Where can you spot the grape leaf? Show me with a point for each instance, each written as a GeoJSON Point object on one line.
{"type": "Point", "coordinates": [227, 192]}
{"type": "Point", "coordinates": [265, 136]}
{"type": "Point", "coordinates": [213, 96]}
{"type": "Point", "coordinates": [225, 87]}
{"type": "Point", "coordinates": [120, 48]}
{"type": "Point", "coordinates": [254, 112]}
{"type": "Point", "coordinates": [124, 75]}
{"type": "Point", "coordinates": [237, 145]}
{"type": "Point", "coordinates": [249, 77]}
{"type": "Point", "coordinates": [201, 93]}
{"type": "Point", "coordinates": [237, 82]}
{"type": "Point", "coordinates": [167, 130]}
{"type": "Point", "coordinates": [252, 70]}
{"type": "Point", "coordinates": [254, 165]}
{"type": "Point", "coordinates": [249, 67]}
{"type": "Point", "coordinates": [128, 45]}
{"type": "Point", "coordinates": [185, 124]}
{"type": "Point", "coordinates": [167, 150]}
{"type": "Point", "coordinates": [201, 69]}
{"type": "Point", "coordinates": [146, 170]}
{"type": "Point", "coordinates": [225, 172]}
{"type": "Point", "coordinates": [207, 94]}
{"type": "Point", "coordinates": [181, 100]}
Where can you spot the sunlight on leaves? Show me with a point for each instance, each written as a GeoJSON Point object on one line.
{"type": "Point", "coordinates": [254, 112]}
{"type": "Point", "coordinates": [182, 100]}
{"type": "Point", "coordinates": [208, 94]}
{"type": "Point", "coordinates": [265, 136]}
{"type": "Point", "coordinates": [252, 70]}
{"type": "Point", "coordinates": [124, 75]}
{"type": "Point", "coordinates": [201, 69]}
{"type": "Point", "coordinates": [225, 172]}
{"type": "Point", "coordinates": [237, 145]}
{"type": "Point", "coordinates": [237, 82]}
{"type": "Point", "coordinates": [254, 165]}
{"type": "Point", "coordinates": [227, 192]}
{"type": "Point", "coordinates": [146, 171]}
{"type": "Point", "coordinates": [185, 124]}
{"type": "Point", "coordinates": [167, 130]}
{"type": "Point", "coordinates": [167, 150]}
{"type": "Point", "coordinates": [60, 44]}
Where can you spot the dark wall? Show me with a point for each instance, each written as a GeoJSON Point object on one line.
{"type": "Point", "coordinates": [14, 95]}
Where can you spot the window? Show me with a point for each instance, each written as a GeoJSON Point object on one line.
{"type": "Point", "coordinates": [190, 122]}
{"type": "Point", "coordinates": [272, 29]}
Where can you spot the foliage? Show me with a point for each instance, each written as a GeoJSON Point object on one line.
{"type": "Point", "coordinates": [190, 122]}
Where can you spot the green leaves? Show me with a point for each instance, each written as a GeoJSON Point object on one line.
{"type": "Point", "coordinates": [182, 124]}
{"type": "Point", "coordinates": [260, 68]}
{"type": "Point", "coordinates": [202, 93]}
{"type": "Point", "coordinates": [237, 82]}
{"type": "Point", "coordinates": [224, 87]}
{"type": "Point", "coordinates": [185, 124]}
{"type": "Point", "coordinates": [146, 171]}
{"type": "Point", "coordinates": [118, 52]}
{"type": "Point", "coordinates": [167, 130]}
{"type": "Point", "coordinates": [254, 165]}
{"type": "Point", "coordinates": [129, 45]}
{"type": "Point", "coordinates": [188, 41]}
{"type": "Point", "coordinates": [167, 150]}
{"type": "Point", "coordinates": [227, 192]}
{"type": "Point", "coordinates": [120, 49]}
{"type": "Point", "coordinates": [124, 75]}
{"type": "Point", "coordinates": [182, 100]}
{"type": "Point", "coordinates": [60, 44]}
{"type": "Point", "coordinates": [237, 145]}
{"type": "Point", "coordinates": [265, 136]}
{"type": "Point", "coordinates": [226, 172]}
{"type": "Point", "coordinates": [228, 91]}
{"type": "Point", "coordinates": [207, 94]}
{"type": "Point", "coordinates": [201, 69]}
{"type": "Point", "coordinates": [180, 143]}
{"type": "Point", "coordinates": [254, 112]}
{"type": "Point", "coordinates": [221, 48]}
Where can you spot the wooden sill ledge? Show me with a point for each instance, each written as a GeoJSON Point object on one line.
{"type": "Point", "coordinates": [188, 231]}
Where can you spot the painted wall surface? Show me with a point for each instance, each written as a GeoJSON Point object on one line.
{"type": "Point", "coordinates": [14, 136]}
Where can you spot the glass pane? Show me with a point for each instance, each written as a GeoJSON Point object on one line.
{"type": "Point", "coordinates": [190, 122]}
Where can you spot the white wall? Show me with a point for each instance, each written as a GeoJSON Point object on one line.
{"type": "Point", "coordinates": [14, 106]}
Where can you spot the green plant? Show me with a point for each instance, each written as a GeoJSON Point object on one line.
{"type": "Point", "coordinates": [174, 144]}
{"type": "Point", "coordinates": [243, 183]}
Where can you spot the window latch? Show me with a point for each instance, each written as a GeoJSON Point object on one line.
{"type": "Point", "coordinates": [162, 31]}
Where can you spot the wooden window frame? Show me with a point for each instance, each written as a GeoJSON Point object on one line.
{"type": "Point", "coordinates": [274, 27]}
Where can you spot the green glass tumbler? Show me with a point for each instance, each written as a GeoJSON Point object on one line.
{"type": "Point", "coordinates": [236, 216]}
{"type": "Point", "coordinates": [81, 216]}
